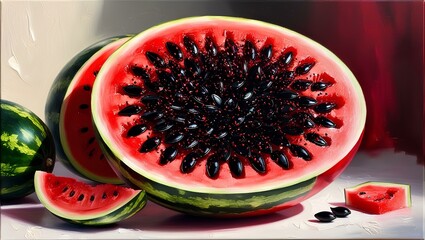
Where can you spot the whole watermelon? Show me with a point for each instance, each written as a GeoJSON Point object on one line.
{"type": "Point", "coordinates": [26, 146]}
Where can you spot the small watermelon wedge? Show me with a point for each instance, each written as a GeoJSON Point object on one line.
{"type": "Point", "coordinates": [81, 203]}
{"type": "Point", "coordinates": [378, 197]}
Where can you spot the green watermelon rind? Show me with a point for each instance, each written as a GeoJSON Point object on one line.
{"type": "Point", "coordinates": [106, 217]}
{"type": "Point", "coordinates": [56, 98]}
{"type": "Point", "coordinates": [21, 158]}
{"type": "Point", "coordinates": [406, 187]}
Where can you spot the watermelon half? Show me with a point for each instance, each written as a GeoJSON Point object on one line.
{"type": "Point", "coordinates": [80, 203]}
{"type": "Point", "coordinates": [68, 112]}
{"type": "Point", "coordinates": [226, 116]}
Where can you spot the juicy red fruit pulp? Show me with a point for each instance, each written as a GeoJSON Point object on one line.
{"type": "Point", "coordinates": [237, 103]}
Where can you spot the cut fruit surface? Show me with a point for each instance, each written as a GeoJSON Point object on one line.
{"type": "Point", "coordinates": [203, 111]}
{"type": "Point", "coordinates": [68, 112]}
{"type": "Point", "coordinates": [378, 197]}
{"type": "Point", "coordinates": [81, 203]}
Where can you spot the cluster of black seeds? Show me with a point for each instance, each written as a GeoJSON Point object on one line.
{"type": "Point", "coordinates": [238, 102]}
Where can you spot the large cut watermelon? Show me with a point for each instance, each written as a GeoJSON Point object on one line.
{"type": "Point", "coordinates": [226, 116]}
{"type": "Point", "coordinates": [26, 146]}
{"type": "Point", "coordinates": [68, 112]}
{"type": "Point", "coordinates": [80, 203]}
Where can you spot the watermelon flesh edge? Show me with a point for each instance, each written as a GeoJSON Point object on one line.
{"type": "Point", "coordinates": [101, 204]}
{"type": "Point", "coordinates": [54, 112]}
{"type": "Point", "coordinates": [378, 197]}
{"type": "Point", "coordinates": [82, 151]}
{"type": "Point", "coordinates": [140, 173]}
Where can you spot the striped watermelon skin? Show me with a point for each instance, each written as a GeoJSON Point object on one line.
{"type": "Point", "coordinates": [119, 203]}
{"type": "Point", "coordinates": [26, 146]}
{"type": "Point", "coordinates": [56, 97]}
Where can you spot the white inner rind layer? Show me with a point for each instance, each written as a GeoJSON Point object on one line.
{"type": "Point", "coordinates": [252, 182]}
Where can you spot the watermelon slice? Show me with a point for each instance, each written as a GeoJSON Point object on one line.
{"type": "Point", "coordinates": [81, 203]}
{"type": "Point", "coordinates": [378, 197]}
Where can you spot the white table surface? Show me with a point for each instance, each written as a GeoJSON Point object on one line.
{"type": "Point", "coordinates": [28, 219]}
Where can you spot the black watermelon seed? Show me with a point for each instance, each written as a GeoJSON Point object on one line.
{"type": "Point", "coordinates": [163, 126]}
{"type": "Point", "coordinates": [153, 86]}
{"type": "Point", "coordinates": [257, 163]}
{"type": "Point", "coordinates": [242, 149]}
{"type": "Point", "coordinates": [192, 66]}
{"type": "Point", "coordinates": [304, 68]}
{"type": "Point", "coordinates": [266, 52]}
{"type": "Point", "coordinates": [166, 78]}
{"type": "Point", "coordinates": [280, 140]}
{"type": "Point", "coordinates": [176, 107]}
{"type": "Point", "coordinates": [316, 139]}
{"type": "Point", "coordinates": [190, 143]}
{"type": "Point", "coordinates": [84, 106]}
{"type": "Point", "coordinates": [139, 72]}
{"type": "Point", "coordinates": [203, 149]}
{"type": "Point", "coordinates": [264, 85]}
{"type": "Point", "coordinates": [280, 159]}
{"type": "Point", "coordinates": [249, 50]}
{"type": "Point", "coordinates": [87, 87]}
{"type": "Point", "coordinates": [212, 166]}
{"type": "Point", "coordinates": [286, 94]}
{"type": "Point", "coordinates": [319, 86]}
{"type": "Point", "coordinates": [189, 162]}
{"type": "Point", "coordinates": [325, 216]}
{"type": "Point", "coordinates": [168, 155]}
{"type": "Point", "coordinates": [84, 129]}
{"type": "Point", "coordinates": [325, 122]}
{"type": "Point", "coordinates": [209, 130]}
{"type": "Point", "coordinates": [324, 107]}
{"type": "Point", "coordinates": [72, 193]}
{"type": "Point", "coordinates": [174, 137]}
{"type": "Point", "coordinates": [80, 198]}
{"type": "Point", "coordinates": [174, 50]}
{"type": "Point", "coordinates": [150, 100]}
{"type": "Point", "coordinates": [340, 211]}
{"type": "Point", "coordinates": [300, 151]}
{"type": "Point", "coordinates": [155, 59]}
{"type": "Point", "coordinates": [136, 130]}
{"type": "Point", "coordinates": [230, 104]}
{"type": "Point", "coordinates": [130, 110]}
{"type": "Point", "coordinates": [301, 85]}
{"type": "Point", "coordinates": [292, 130]}
{"type": "Point", "coordinates": [132, 90]}
{"type": "Point", "coordinates": [210, 46]}
{"type": "Point", "coordinates": [230, 47]}
{"type": "Point", "coordinates": [115, 193]}
{"type": "Point", "coordinates": [190, 45]}
{"type": "Point", "coordinates": [236, 166]}
{"type": "Point", "coordinates": [305, 101]}
{"type": "Point", "coordinates": [238, 84]}
{"type": "Point", "coordinates": [104, 196]}
{"type": "Point", "coordinates": [221, 135]}
{"type": "Point", "coordinates": [192, 126]}
{"type": "Point", "coordinates": [217, 99]}
{"type": "Point", "coordinates": [254, 73]}
{"type": "Point", "coordinates": [91, 198]}
{"type": "Point", "coordinates": [248, 96]}
{"type": "Point", "coordinates": [211, 108]}
{"type": "Point", "coordinates": [150, 144]}
{"type": "Point", "coordinates": [287, 58]}
{"type": "Point", "coordinates": [152, 115]}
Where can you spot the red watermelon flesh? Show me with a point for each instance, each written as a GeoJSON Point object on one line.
{"type": "Point", "coordinates": [378, 197]}
{"type": "Point", "coordinates": [76, 131]}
